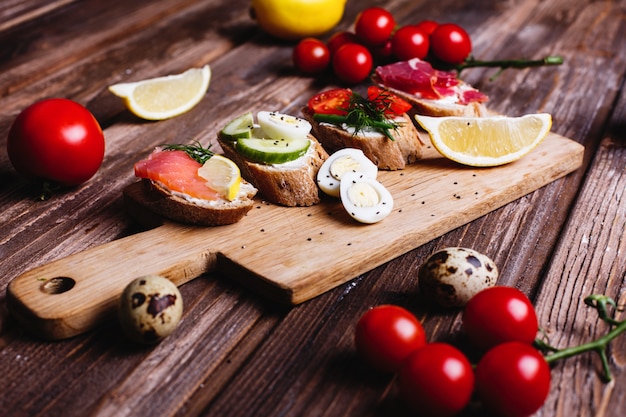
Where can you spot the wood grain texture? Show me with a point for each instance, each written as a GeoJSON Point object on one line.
{"type": "Point", "coordinates": [235, 353]}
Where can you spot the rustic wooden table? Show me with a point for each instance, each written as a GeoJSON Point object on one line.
{"type": "Point", "coordinates": [236, 353]}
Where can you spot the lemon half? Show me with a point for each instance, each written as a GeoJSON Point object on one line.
{"type": "Point", "coordinates": [486, 141]}
{"type": "Point", "coordinates": [164, 97]}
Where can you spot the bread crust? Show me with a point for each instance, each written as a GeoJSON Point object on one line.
{"type": "Point", "coordinates": [387, 154]}
{"type": "Point", "coordinates": [291, 185]}
{"type": "Point", "coordinates": [435, 108]}
{"type": "Point", "coordinates": [154, 197]}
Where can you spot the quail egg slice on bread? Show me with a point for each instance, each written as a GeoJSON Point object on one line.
{"type": "Point", "coordinates": [283, 126]}
{"type": "Point", "coordinates": [345, 160]}
{"type": "Point", "coordinates": [364, 198]}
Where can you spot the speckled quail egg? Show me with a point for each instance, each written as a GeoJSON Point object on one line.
{"type": "Point", "coordinates": [342, 161]}
{"type": "Point", "coordinates": [364, 198]}
{"type": "Point", "coordinates": [150, 308]}
{"type": "Point", "coordinates": [452, 276]}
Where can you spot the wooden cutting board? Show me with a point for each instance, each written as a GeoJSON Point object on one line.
{"type": "Point", "coordinates": [287, 254]}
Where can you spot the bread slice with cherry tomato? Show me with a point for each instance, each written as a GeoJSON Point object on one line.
{"type": "Point", "coordinates": [431, 92]}
{"type": "Point", "coordinates": [377, 124]}
{"type": "Point", "coordinates": [277, 154]}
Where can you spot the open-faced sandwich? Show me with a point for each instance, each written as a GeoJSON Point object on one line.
{"type": "Point", "coordinates": [431, 92]}
{"type": "Point", "coordinates": [377, 124]}
{"type": "Point", "coordinates": [277, 154]}
{"type": "Point", "coordinates": [190, 184]}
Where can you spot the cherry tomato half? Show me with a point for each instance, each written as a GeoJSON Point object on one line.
{"type": "Point", "coordinates": [352, 63]}
{"type": "Point", "coordinates": [450, 43]}
{"type": "Point", "coordinates": [374, 25]}
{"type": "Point", "coordinates": [57, 140]}
{"type": "Point", "coordinates": [386, 101]}
{"type": "Point", "coordinates": [409, 42]}
{"type": "Point", "coordinates": [513, 379]}
{"type": "Point", "coordinates": [436, 380]}
{"type": "Point", "coordinates": [386, 335]}
{"type": "Point", "coordinates": [331, 102]}
{"type": "Point", "coordinates": [311, 56]}
{"type": "Point", "coordinates": [500, 314]}
{"type": "Point", "coordinates": [339, 39]}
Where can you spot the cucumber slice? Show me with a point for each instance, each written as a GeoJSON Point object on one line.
{"type": "Point", "coordinates": [239, 127]}
{"type": "Point", "coordinates": [270, 151]}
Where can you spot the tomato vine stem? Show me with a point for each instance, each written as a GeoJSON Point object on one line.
{"type": "Point", "coordinates": [509, 63]}
{"type": "Point", "coordinates": [600, 345]}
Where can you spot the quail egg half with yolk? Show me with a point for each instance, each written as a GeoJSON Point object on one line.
{"type": "Point", "coordinates": [341, 162]}
{"type": "Point", "coordinates": [364, 198]}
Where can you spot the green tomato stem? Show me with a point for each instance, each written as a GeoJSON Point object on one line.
{"type": "Point", "coordinates": [509, 63]}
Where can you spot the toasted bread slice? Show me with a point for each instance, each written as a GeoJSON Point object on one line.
{"type": "Point", "coordinates": [437, 108]}
{"type": "Point", "coordinates": [387, 154]}
{"type": "Point", "coordinates": [290, 184]}
{"type": "Point", "coordinates": [151, 195]}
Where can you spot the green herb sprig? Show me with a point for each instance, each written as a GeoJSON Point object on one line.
{"type": "Point", "coordinates": [195, 151]}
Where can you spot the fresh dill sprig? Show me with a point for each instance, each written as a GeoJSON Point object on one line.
{"type": "Point", "coordinates": [196, 151]}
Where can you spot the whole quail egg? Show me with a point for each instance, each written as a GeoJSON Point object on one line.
{"type": "Point", "coordinates": [453, 275]}
{"type": "Point", "coordinates": [150, 308]}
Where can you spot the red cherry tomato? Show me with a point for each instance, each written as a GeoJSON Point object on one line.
{"type": "Point", "coordinates": [311, 56]}
{"type": "Point", "coordinates": [436, 380]}
{"type": "Point", "coordinates": [409, 42]}
{"type": "Point", "coordinates": [56, 140]}
{"type": "Point", "coordinates": [450, 43]}
{"type": "Point", "coordinates": [373, 26]}
{"type": "Point", "coordinates": [427, 26]}
{"type": "Point", "coordinates": [352, 63]}
{"type": "Point", "coordinates": [500, 314]}
{"type": "Point", "coordinates": [513, 379]}
{"type": "Point", "coordinates": [331, 102]}
{"type": "Point", "coordinates": [339, 39]}
{"type": "Point", "coordinates": [386, 335]}
{"type": "Point", "coordinates": [389, 102]}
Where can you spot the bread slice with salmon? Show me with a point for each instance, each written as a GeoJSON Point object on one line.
{"type": "Point", "coordinates": [278, 155]}
{"type": "Point", "coordinates": [431, 92]}
{"type": "Point", "coordinates": [377, 124]}
{"type": "Point", "coordinates": [171, 187]}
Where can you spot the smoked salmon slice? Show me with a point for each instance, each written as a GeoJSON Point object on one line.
{"type": "Point", "coordinates": [177, 171]}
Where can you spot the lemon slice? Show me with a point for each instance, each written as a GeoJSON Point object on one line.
{"type": "Point", "coordinates": [486, 141]}
{"type": "Point", "coordinates": [222, 175]}
{"type": "Point", "coordinates": [164, 97]}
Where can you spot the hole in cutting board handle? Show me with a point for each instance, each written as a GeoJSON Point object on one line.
{"type": "Point", "coordinates": [58, 285]}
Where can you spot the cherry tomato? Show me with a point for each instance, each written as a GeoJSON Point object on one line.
{"type": "Point", "coordinates": [339, 39]}
{"type": "Point", "coordinates": [427, 26]}
{"type": "Point", "coordinates": [352, 63]}
{"type": "Point", "coordinates": [450, 43]}
{"type": "Point", "coordinates": [500, 314]}
{"type": "Point", "coordinates": [436, 380]}
{"type": "Point", "coordinates": [331, 102]}
{"type": "Point", "coordinates": [513, 379]}
{"type": "Point", "coordinates": [57, 140]}
{"type": "Point", "coordinates": [373, 26]}
{"type": "Point", "coordinates": [386, 335]}
{"type": "Point", "coordinates": [389, 102]}
{"type": "Point", "coordinates": [409, 42]}
{"type": "Point", "coordinates": [311, 56]}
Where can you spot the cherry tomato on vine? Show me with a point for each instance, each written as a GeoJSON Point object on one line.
{"type": "Point", "coordinates": [352, 63]}
{"type": "Point", "coordinates": [436, 380]}
{"type": "Point", "coordinates": [450, 43]}
{"type": "Point", "coordinates": [500, 314]}
{"type": "Point", "coordinates": [386, 335]}
{"type": "Point", "coordinates": [374, 25]}
{"type": "Point", "coordinates": [409, 42]}
{"type": "Point", "coordinates": [331, 102]}
{"type": "Point", "coordinates": [339, 39]}
{"type": "Point", "coordinates": [513, 379]}
{"type": "Point", "coordinates": [311, 56]}
{"type": "Point", "coordinates": [56, 140]}
{"type": "Point", "coordinates": [427, 26]}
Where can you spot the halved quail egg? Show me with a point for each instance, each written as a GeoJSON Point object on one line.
{"type": "Point", "coordinates": [364, 198]}
{"type": "Point", "coordinates": [344, 160]}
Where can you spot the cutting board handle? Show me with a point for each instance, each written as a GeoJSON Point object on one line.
{"type": "Point", "coordinates": [74, 294]}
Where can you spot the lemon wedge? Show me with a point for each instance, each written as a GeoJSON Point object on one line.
{"type": "Point", "coordinates": [486, 141]}
{"type": "Point", "coordinates": [222, 175]}
{"type": "Point", "coordinates": [164, 97]}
